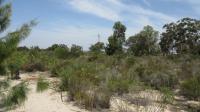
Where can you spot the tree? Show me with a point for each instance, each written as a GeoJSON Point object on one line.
{"type": "Point", "coordinates": [8, 46]}
{"type": "Point", "coordinates": [61, 51]}
{"type": "Point", "coordinates": [9, 42]}
{"type": "Point", "coordinates": [117, 40]}
{"type": "Point", "coordinates": [53, 47]}
{"type": "Point", "coordinates": [76, 50]}
{"type": "Point", "coordinates": [143, 43]}
{"type": "Point", "coordinates": [97, 48]}
{"type": "Point", "coordinates": [181, 37]}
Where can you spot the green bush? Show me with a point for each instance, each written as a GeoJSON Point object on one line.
{"type": "Point", "coordinates": [17, 95]}
{"type": "Point", "coordinates": [83, 81]}
{"type": "Point", "coordinates": [157, 73]}
{"type": "Point", "coordinates": [191, 88]}
{"type": "Point", "coordinates": [61, 52]}
{"type": "Point", "coordinates": [119, 86]}
{"type": "Point", "coordinates": [168, 95]}
{"type": "Point", "coordinates": [42, 84]}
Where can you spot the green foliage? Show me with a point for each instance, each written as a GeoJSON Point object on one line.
{"type": "Point", "coordinates": [5, 13]}
{"type": "Point", "coordinates": [8, 44]}
{"type": "Point", "coordinates": [76, 50]}
{"type": "Point", "coordinates": [42, 84]}
{"type": "Point", "coordinates": [144, 43]}
{"type": "Point", "coordinates": [168, 95]}
{"type": "Point", "coordinates": [53, 47]}
{"type": "Point", "coordinates": [8, 47]}
{"type": "Point", "coordinates": [17, 95]}
{"type": "Point", "coordinates": [119, 86]}
{"type": "Point", "coordinates": [97, 48]}
{"type": "Point", "coordinates": [181, 37]}
{"type": "Point", "coordinates": [191, 88]}
{"type": "Point", "coordinates": [117, 40]}
{"type": "Point", "coordinates": [61, 52]}
{"type": "Point", "coordinates": [82, 81]}
{"type": "Point", "coordinates": [157, 73]}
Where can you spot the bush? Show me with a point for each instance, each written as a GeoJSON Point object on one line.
{"type": "Point", "coordinates": [34, 67]}
{"type": "Point", "coordinates": [191, 88]}
{"type": "Point", "coordinates": [168, 95]}
{"type": "Point", "coordinates": [76, 51]}
{"type": "Point", "coordinates": [17, 95]}
{"type": "Point", "coordinates": [157, 73]}
{"type": "Point", "coordinates": [61, 52]}
{"type": "Point", "coordinates": [83, 83]}
{"type": "Point", "coordinates": [42, 84]}
{"type": "Point", "coordinates": [119, 86]}
{"type": "Point", "coordinates": [159, 80]}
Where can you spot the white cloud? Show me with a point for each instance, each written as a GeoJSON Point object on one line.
{"type": "Point", "coordinates": [134, 15]}
{"type": "Point", "coordinates": [96, 8]}
{"type": "Point", "coordinates": [117, 10]}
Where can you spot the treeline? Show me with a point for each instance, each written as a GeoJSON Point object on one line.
{"type": "Point", "coordinates": [181, 37]}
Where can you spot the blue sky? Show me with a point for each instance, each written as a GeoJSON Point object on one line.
{"type": "Point", "coordinates": [80, 21]}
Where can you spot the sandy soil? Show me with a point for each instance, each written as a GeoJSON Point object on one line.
{"type": "Point", "coordinates": [48, 101]}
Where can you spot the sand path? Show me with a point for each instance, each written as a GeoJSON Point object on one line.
{"type": "Point", "coordinates": [48, 101]}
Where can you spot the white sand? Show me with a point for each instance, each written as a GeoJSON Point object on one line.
{"type": "Point", "coordinates": [47, 101]}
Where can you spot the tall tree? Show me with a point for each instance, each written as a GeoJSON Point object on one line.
{"type": "Point", "coordinates": [143, 43]}
{"type": "Point", "coordinates": [117, 40]}
{"type": "Point", "coordinates": [181, 37]}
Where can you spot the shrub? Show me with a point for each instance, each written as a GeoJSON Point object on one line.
{"type": "Point", "coordinates": [119, 86]}
{"type": "Point", "coordinates": [83, 83]}
{"type": "Point", "coordinates": [17, 95]}
{"type": "Point", "coordinates": [168, 95]}
{"type": "Point", "coordinates": [42, 84]}
{"type": "Point", "coordinates": [34, 67]}
{"type": "Point", "coordinates": [2, 70]}
{"type": "Point", "coordinates": [159, 80]}
{"type": "Point", "coordinates": [102, 98]}
{"type": "Point", "coordinates": [76, 50]}
{"type": "Point", "coordinates": [61, 52]}
{"type": "Point", "coordinates": [157, 73]}
{"type": "Point", "coordinates": [130, 61]}
{"type": "Point", "coordinates": [191, 88]}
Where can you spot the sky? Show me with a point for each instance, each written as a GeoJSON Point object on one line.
{"type": "Point", "coordinates": [81, 21]}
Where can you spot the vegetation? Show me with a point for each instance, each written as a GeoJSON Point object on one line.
{"type": "Point", "coordinates": [144, 43]}
{"type": "Point", "coordinates": [118, 68]}
{"type": "Point", "coordinates": [191, 87]}
{"type": "Point", "coordinates": [8, 49]}
{"type": "Point", "coordinates": [42, 84]}
{"type": "Point", "coordinates": [117, 40]}
{"type": "Point", "coordinates": [17, 95]}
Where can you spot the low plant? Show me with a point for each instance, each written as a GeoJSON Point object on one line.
{"type": "Point", "coordinates": [191, 88]}
{"type": "Point", "coordinates": [17, 95]}
{"type": "Point", "coordinates": [42, 84]}
{"type": "Point", "coordinates": [168, 95]}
